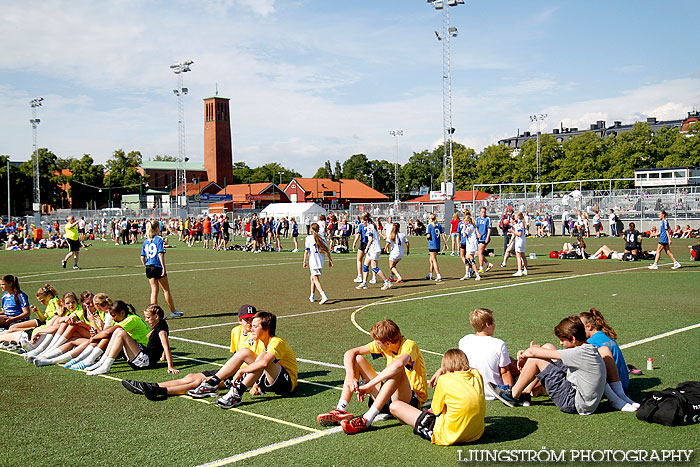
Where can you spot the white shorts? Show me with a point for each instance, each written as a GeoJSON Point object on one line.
{"type": "Point", "coordinates": [374, 256]}
{"type": "Point", "coordinates": [519, 247]}
{"type": "Point", "coordinates": [470, 252]}
{"type": "Point", "coordinates": [316, 272]}
{"type": "Point", "coordinates": [395, 258]}
{"type": "Point", "coordinates": [141, 360]}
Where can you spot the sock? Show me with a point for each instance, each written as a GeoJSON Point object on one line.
{"type": "Point", "coordinates": [56, 342]}
{"type": "Point", "coordinates": [84, 354]}
{"type": "Point", "coordinates": [214, 381]}
{"type": "Point", "coordinates": [104, 368]}
{"type": "Point", "coordinates": [617, 387]}
{"type": "Point", "coordinates": [430, 274]}
{"type": "Point", "coordinates": [51, 354]}
{"type": "Point", "coordinates": [241, 387]}
{"type": "Point", "coordinates": [616, 401]}
{"type": "Point", "coordinates": [96, 365]}
{"type": "Point", "coordinates": [63, 358]}
{"type": "Point", "coordinates": [323, 295]}
{"type": "Point", "coordinates": [94, 355]}
{"type": "Point", "coordinates": [370, 414]}
{"type": "Point", "coordinates": [43, 344]}
{"type": "Point", "coordinates": [342, 405]}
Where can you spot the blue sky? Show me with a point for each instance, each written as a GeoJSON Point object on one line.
{"type": "Point", "coordinates": [313, 80]}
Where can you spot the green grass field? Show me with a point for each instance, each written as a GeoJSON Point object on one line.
{"type": "Point", "coordinates": [53, 416]}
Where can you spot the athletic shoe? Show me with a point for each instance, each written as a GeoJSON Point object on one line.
{"type": "Point", "coordinates": [481, 270]}
{"type": "Point", "coordinates": [78, 366]}
{"type": "Point", "coordinates": [503, 265]}
{"type": "Point", "coordinates": [203, 390]}
{"type": "Point", "coordinates": [452, 254]}
{"type": "Point", "coordinates": [387, 285]}
{"type": "Point", "coordinates": [312, 298]}
{"type": "Point", "coordinates": [230, 400]}
{"type": "Point", "coordinates": [362, 286]}
{"type": "Point", "coordinates": [676, 265]}
{"type": "Point", "coordinates": [13, 346]}
{"type": "Point", "coordinates": [358, 279]}
{"type": "Point", "coordinates": [464, 278]}
{"type": "Point", "coordinates": [354, 425]}
{"type": "Point", "coordinates": [525, 399]}
{"type": "Point", "coordinates": [438, 278]}
{"type": "Point", "coordinates": [524, 272]}
{"type": "Point", "coordinates": [428, 277]}
{"type": "Point", "coordinates": [176, 314]}
{"type": "Point", "coordinates": [518, 274]}
{"type": "Point", "coordinates": [75, 266]}
{"type": "Point", "coordinates": [63, 264]}
{"type": "Point", "coordinates": [296, 250]}
{"type": "Point", "coordinates": [503, 393]}
{"type": "Point", "coordinates": [654, 266]}
{"type": "Point", "coordinates": [380, 417]}
{"type": "Point", "coordinates": [41, 362]}
{"type": "Point", "coordinates": [153, 392]}
{"type": "Point", "coordinates": [488, 267]}
{"type": "Point", "coordinates": [134, 386]}
{"type": "Point", "coordinates": [373, 280]}
{"type": "Point", "coordinates": [323, 300]}
{"type": "Point", "coordinates": [477, 278]}
{"type": "Point", "coordinates": [333, 417]}
{"type": "Point", "coordinates": [4, 345]}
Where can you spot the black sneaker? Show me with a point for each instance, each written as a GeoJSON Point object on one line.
{"type": "Point", "coordinates": [63, 263]}
{"type": "Point", "coordinates": [153, 392]}
{"type": "Point", "coordinates": [503, 393]}
{"type": "Point", "coordinates": [525, 399]}
{"type": "Point", "coordinates": [230, 400]}
{"type": "Point", "coordinates": [75, 266]}
{"type": "Point", "coordinates": [134, 386]}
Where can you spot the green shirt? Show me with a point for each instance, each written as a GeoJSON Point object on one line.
{"type": "Point", "coordinates": [136, 328]}
{"type": "Point", "coordinates": [72, 232]}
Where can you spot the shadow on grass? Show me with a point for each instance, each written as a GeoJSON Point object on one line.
{"type": "Point", "coordinates": [500, 429]}
{"type": "Point", "coordinates": [639, 385]}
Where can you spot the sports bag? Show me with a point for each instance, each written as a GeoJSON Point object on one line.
{"type": "Point", "coordinates": [672, 407]}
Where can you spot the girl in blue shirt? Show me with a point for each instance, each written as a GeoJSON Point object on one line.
{"type": "Point", "coordinates": [295, 235]}
{"type": "Point", "coordinates": [153, 258]}
{"type": "Point", "coordinates": [664, 243]}
{"type": "Point", "coordinates": [15, 304]}
{"type": "Point", "coordinates": [433, 237]}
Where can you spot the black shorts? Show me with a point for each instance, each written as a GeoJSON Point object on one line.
{"type": "Point", "coordinates": [154, 272]}
{"type": "Point", "coordinates": [660, 243]}
{"type": "Point", "coordinates": [425, 425]}
{"type": "Point", "coordinates": [483, 242]}
{"type": "Point", "coordinates": [463, 246]}
{"type": "Point", "coordinates": [363, 246]}
{"type": "Point", "coordinates": [282, 385]}
{"type": "Point", "coordinates": [295, 234]}
{"type": "Point", "coordinates": [74, 245]}
{"type": "Point", "coordinates": [434, 250]}
{"type": "Point", "coordinates": [81, 231]}
{"type": "Point", "coordinates": [209, 373]}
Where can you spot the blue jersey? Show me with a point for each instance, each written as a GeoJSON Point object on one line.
{"type": "Point", "coordinates": [600, 339]}
{"type": "Point", "coordinates": [434, 232]}
{"type": "Point", "coordinates": [663, 235]}
{"type": "Point", "coordinates": [295, 229]}
{"type": "Point", "coordinates": [12, 306]}
{"type": "Point", "coordinates": [362, 230]}
{"type": "Point", "coordinates": [150, 250]}
{"type": "Point", "coordinates": [483, 225]}
{"type": "Point", "coordinates": [462, 230]}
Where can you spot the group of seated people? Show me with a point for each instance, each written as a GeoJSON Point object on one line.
{"type": "Point", "coordinates": [14, 243]}
{"type": "Point", "coordinates": [632, 248]}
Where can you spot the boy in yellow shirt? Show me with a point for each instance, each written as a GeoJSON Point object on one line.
{"type": "Point", "coordinates": [404, 378]}
{"type": "Point", "coordinates": [457, 412]}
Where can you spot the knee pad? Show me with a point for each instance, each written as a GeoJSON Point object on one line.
{"type": "Point", "coordinates": [365, 268]}
{"type": "Point", "coordinates": [375, 270]}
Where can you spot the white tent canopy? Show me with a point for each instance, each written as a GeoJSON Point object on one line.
{"type": "Point", "coordinates": [300, 211]}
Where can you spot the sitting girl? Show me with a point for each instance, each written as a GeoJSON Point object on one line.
{"type": "Point", "coordinates": [17, 332]}
{"type": "Point", "coordinates": [578, 248]}
{"type": "Point", "coordinates": [68, 326]}
{"type": "Point", "coordinates": [15, 304]}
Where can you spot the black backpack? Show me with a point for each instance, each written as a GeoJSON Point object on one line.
{"type": "Point", "coordinates": [671, 407]}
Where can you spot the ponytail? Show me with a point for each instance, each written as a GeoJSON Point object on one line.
{"type": "Point", "coordinates": [14, 283]}
{"type": "Point", "coordinates": [595, 318]}
{"type": "Point", "coordinates": [394, 232]}
{"type": "Point", "coordinates": [121, 305]}
{"type": "Point", "coordinates": [322, 246]}
{"type": "Point", "coordinates": [151, 228]}
{"type": "Point", "coordinates": [46, 291]}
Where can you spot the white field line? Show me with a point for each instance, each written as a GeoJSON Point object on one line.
{"type": "Point", "coordinates": [659, 336]}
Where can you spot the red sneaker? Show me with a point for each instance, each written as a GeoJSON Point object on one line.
{"type": "Point", "coordinates": [333, 417]}
{"type": "Point", "coordinates": [354, 425]}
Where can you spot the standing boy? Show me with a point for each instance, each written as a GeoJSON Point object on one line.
{"type": "Point", "coordinates": [404, 378]}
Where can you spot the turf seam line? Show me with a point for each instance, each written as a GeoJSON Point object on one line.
{"type": "Point", "coordinates": [271, 447]}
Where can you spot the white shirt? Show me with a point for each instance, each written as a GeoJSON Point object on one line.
{"type": "Point", "coordinates": [487, 354]}
{"type": "Point", "coordinates": [398, 246]}
{"type": "Point", "coordinates": [374, 247]}
{"type": "Point", "coordinates": [472, 238]}
{"type": "Point", "coordinates": [316, 256]}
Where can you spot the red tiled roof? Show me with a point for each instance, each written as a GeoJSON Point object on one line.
{"type": "Point", "coordinates": [346, 188]}
{"type": "Point", "coordinates": [193, 188]}
{"type": "Point", "coordinates": [463, 196]}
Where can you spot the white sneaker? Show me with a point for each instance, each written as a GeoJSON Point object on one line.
{"type": "Point", "coordinates": [438, 278]}
{"type": "Point", "coordinates": [477, 278]}
{"type": "Point", "coordinates": [362, 286]}
{"type": "Point", "coordinates": [452, 254]}
{"type": "Point", "coordinates": [387, 285]}
{"type": "Point", "coordinates": [464, 278]}
{"type": "Point", "coordinates": [428, 277]}
{"type": "Point", "coordinates": [323, 300]}
{"type": "Point", "coordinates": [524, 272]}
{"type": "Point", "coordinates": [296, 250]}
{"type": "Point", "coordinates": [676, 265]}
{"type": "Point", "coordinates": [312, 298]}
{"type": "Point", "coordinates": [518, 274]}
{"type": "Point", "coordinates": [358, 279]}
{"type": "Point", "coordinates": [503, 265]}
{"type": "Point", "coordinates": [373, 280]}
{"type": "Point", "coordinates": [654, 266]}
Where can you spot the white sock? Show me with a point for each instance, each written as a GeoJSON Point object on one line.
{"type": "Point", "coordinates": [43, 344]}
{"type": "Point", "coordinates": [57, 342]}
{"type": "Point", "coordinates": [370, 414]}
{"type": "Point", "coordinates": [63, 358]}
{"type": "Point", "coordinates": [84, 354]}
{"type": "Point", "coordinates": [92, 358]}
{"type": "Point", "coordinates": [617, 387]}
{"type": "Point", "coordinates": [49, 354]}
{"type": "Point", "coordinates": [97, 364]}
{"type": "Point", "coordinates": [615, 400]}
{"type": "Point", "coordinates": [323, 295]}
{"type": "Point", "coordinates": [342, 405]}
{"type": "Point", "coordinates": [103, 369]}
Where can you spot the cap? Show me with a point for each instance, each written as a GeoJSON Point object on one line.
{"type": "Point", "coordinates": [246, 311]}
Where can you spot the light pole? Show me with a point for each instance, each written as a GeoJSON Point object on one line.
{"type": "Point", "coordinates": [280, 174]}
{"type": "Point", "coordinates": [539, 118]}
{"type": "Point", "coordinates": [396, 134]}
{"type": "Point", "coordinates": [36, 103]}
{"type": "Point", "coordinates": [181, 175]}
{"type": "Point", "coordinates": [8, 189]}
{"type": "Point", "coordinates": [447, 33]}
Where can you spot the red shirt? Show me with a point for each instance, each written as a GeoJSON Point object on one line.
{"type": "Point", "coordinates": [454, 225]}
{"type": "Point", "coordinates": [206, 227]}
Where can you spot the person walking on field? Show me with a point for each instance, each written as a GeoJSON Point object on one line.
{"type": "Point", "coordinates": [664, 243]}
{"type": "Point", "coordinates": [73, 239]}
{"type": "Point", "coordinates": [153, 259]}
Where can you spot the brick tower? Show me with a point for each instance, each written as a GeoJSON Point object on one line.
{"type": "Point", "coordinates": [218, 157]}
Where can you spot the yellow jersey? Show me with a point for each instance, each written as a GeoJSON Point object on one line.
{"type": "Point", "coordinates": [284, 355]}
{"type": "Point", "coordinates": [415, 368]}
{"type": "Point", "coordinates": [72, 231]}
{"type": "Point", "coordinates": [241, 340]}
{"type": "Point", "coordinates": [460, 407]}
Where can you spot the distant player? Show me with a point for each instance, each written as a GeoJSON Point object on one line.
{"type": "Point", "coordinates": [397, 246]}
{"type": "Point", "coordinates": [153, 259]}
{"type": "Point", "coordinates": [483, 225]}
{"type": "Point", "coordinates": [315, 252]}
{"type": "Point", "coordinates": [664, 243]}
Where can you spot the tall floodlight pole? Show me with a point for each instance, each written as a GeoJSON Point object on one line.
{"type": "Point", "coordinates": [396, 134]}
{"type": "Point", "coordinates": [35, 103]}
{"type": "Point", "coordinates": [8, 189]}
{"type": "Point", "coordinates": [539, 118]}
{"type": "Point", "coordinates": [181, 170]}
{"type": "Point", "coordinates": [447, 131]}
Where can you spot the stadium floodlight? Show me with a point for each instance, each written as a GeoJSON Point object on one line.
{"type": "Point", "coordinates": [180, 92]}
{"type": "Point", "coordinates": [36, 103]}
{"type": "Point", "coordinates": [396, 134]}
{"type": "Point", "coordinates": [539, 118]}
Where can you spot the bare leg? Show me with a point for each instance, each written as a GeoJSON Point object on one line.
{"type": "Point", "coordinates": [163, 281]}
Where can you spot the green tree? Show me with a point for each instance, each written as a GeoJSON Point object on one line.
{"type": "Point", "coordinates": [495, 164]}
{"type": "Point", "coordinates": [270, 173]}
{"type": "Point", "coordinates": [422, 168]}
{"type": "Point", "coordinates": [383, 176]}
{"type": "Point", "coordinates": [464, 166]}
{"type": "Point", "coordinates": [122, 173]}
{"type": "Point", "coordinates": [241, 172]}
{"type": "Point", "coordinates": [357, 167]}
{"type": "Point", "coordinates": [165, 158]}
{"type": "Point", "coordinates": [86, 182]}
{"type": "Point", "coordinates": [21, 189]}
{"type": "Point", "coordinates": [49, 178]}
